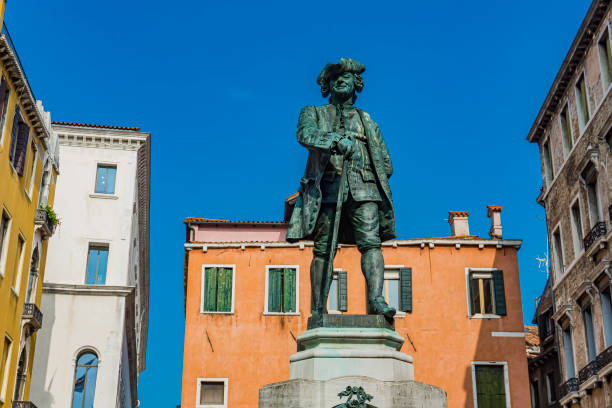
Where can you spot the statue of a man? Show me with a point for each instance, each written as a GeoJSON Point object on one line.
{"type": "Point", "coordinates": [344, 196]}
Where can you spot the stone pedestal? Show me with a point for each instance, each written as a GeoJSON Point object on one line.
{"type": "Point", "coordinates": [350, 350]}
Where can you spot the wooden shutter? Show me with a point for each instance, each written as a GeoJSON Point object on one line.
{"type": "Point", "coordinates": [342, 291]}
{"type": "Point", "coordinates": [490, 387]}
{"type": "Point", "coordinates": [406, 289]}
{"type": "Point", "coordinates": [14, 134]}
{"type": "Point", "coordinates": [22, 147]}
{"type": "Point", "coordinates": [224, 290]}
{"type": "Point", "coordinates": [289, 291]}
{"type": "Point", "coordinates": [274, 290]}
{"type": "Point", "coordinates": [3, 102]}
{"type": "Point", "coordinates": [210, 290]}
{"type": "Point", "coordinates": [499, 292]}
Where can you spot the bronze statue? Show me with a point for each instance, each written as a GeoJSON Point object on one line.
{"type": "Point", "coordinates": [344, 196]}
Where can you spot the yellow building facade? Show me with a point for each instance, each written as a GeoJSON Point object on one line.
{"type": "Point", "coordinates": [29, 167]}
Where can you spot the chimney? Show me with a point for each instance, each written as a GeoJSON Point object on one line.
{"type": "Point", "coordinates": [458, 221]}
{"type": "Point", "coordinates": [494, 213]}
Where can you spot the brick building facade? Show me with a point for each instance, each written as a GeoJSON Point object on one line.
{"type": "Point", "coordinates": [574, 132]}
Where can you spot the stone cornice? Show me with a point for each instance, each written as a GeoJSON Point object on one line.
{"type": "Point", "coordinates": [18, 79]}
{"type": "Point", "coordinates": [100, 138]}
{"type": "Point", "coordinates": [572, 61]}
{"type": "Point", "coordinates": [91, 290]}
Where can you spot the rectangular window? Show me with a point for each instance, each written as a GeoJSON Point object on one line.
{"type": "Point", "coordinates": [605, 60]}
{"type": "Point", "coordinates": [391, 289]}
{"type": "Point", "coordinates": [558, 253]}
{"type": "Point", "coordinates": [212, 393]}
{"type": "Point", "coordinates": [606, 311]}
{"type": "Point", "coordinates": [566, 131]}
{"type": "Point", "coordinates": [535, 394]}
{"type": "Point", "coordinates": [589, 330]}
{"type": "Point", "coordinates": [593, 199]}
{"type": "Point", "coordinates": [32, 168]}
{"type": "Point", "coordinates": [5, 222]}
{"type": "Point", "coordinates": [551, 392]}
{"type": "Point", "coordinates": [5, 92]}
{"type": "Point", "coordinates": [18, 263]}
{"type": "Point", "coordinates": [582, 104]}
{"type": "Point", "coordinates": [218, 289]}
{"type": "Point", "coordinates": [548, 163]}
{"type": "Point", "coordinates": [97, 259]}
{"type": "Point", "coordinates": [4, 363]}
{"type": "Point", "coordinates": [490, 386]}
{"type": "Point", "coordinates": [19, 142]}
{"type": "Point", "coordinates": [282, 290]}
{"type": "Point", "coordinates": [486, 293]}
{"type": "Point", "coordinates": [105, 179]}
{"type": "Point", "coordinates": [568, 353]}
{"type": "Point", "coordinates": [577, 234]}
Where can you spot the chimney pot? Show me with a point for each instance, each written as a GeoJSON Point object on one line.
{"type": "Point", "coordinates": [494, 213]}
{"type": "Point", "coordinates": [458, 221]}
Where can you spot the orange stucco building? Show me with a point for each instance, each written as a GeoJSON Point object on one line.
{"type": "Point", "coordinates": [464, 323]}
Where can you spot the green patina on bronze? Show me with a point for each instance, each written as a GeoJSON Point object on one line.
{"type": "Point", "coordinates": [357, 398]}
{"type": "Point", "coordinates": [344, 196]}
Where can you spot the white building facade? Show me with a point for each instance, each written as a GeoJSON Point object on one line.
{"type": "Point", "coordinates": [92, 347]}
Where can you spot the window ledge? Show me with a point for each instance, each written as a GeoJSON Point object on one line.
{"type": "Point", "coordinates": [281, 314]}
{"type": "Point", "coordinates": [106, 196]}
{"type": "Point", "coordinates": [220, 313]}
{"type": "Point", "coordinates": [485, 316]}
{"type": "Point", "coordinates": [399, 313]}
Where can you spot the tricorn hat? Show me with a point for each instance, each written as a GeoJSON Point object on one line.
{"type": "Point", "coordinates": [345, 65]}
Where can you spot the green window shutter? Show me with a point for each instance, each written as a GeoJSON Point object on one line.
{"type": "Point", "coordinates": [342, 291]}
{"type": "Point", "coordinates": [499, 292]}
{"type": "Point", "coordinates": [289, 291]}
{"type": "Point", "coordinates": [210, 290]}
{"type": "Point", "coordinates": [224, 290]}
{"type": "Point", "coordinates": [274, 290]}
{"type": "Point", "coordinates": [490, 387]}
{"type": "Point", "coordinates": [406, 289]}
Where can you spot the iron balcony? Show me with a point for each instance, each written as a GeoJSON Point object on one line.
{"type": "Point", "coordinates": [588, 371]}
{"type": "Point", "coordinates": [570, 385]}
{"type": "Point", "coordinates": [598, 230]}
{"type": "Point", "coordinates": [33, 315]}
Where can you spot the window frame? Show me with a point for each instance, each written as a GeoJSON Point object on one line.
{"type": "Point", "coordinates": [583, 122]}
{"type": "Point", "coordinates": [32, 169]}
{"type": "Point", "coordinates": [577, 230]}
{"type": "Point", "coordinates": [4, 111]}
{"type": "Point", "coordinates": [549, 378]}
{"type": "Point", "coordinates": [82, 351]}
{"type": "Point", "coordinates": [570, 333]}
{"type": "Point", "coordinates": [605, 61]}
{"type": "Point", "coordinates": [203, 288]}
{"type": "Point", "coordinates": [390, 272]}
{"type": "Point", "coordinates": [4, 245]}
{"type": "Point", "coordinates": [548, 160]}
{"type": "Point", "coordinates": [565, 116]}
{"type": "Point", "coordinates": [297, 290]}
{"type": "Point", "coordinates": [504, 364]}
{"type": "Point", "coordinates": [468, 272]}
{"type": "Point", "coordinates": [105, 165]}
{"type": "Point", "coordinates": [16, 284]}
{"type": "Point", "coordinates": [99, 245]}
{"type": "Point", "coordinates": [5, 368]}
{"type": "Point", "coordinates": [585, 311]}
{"type": "Point", "coordinates": [559, 259]}
{"type": "Point", "coordinates": [225, 382]}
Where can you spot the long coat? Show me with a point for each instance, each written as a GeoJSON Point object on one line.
{"type": "Point", "coordinates": [315, 132]}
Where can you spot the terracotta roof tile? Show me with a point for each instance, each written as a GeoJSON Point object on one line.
{"type": "Point", "coordinates": [89, 125]}
{"type": "Point", "coordinates": [217, 221]}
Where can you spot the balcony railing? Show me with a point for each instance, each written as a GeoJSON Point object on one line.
{"type": "Point", "coordinates": [32, 313]}
{"type": "Point", "coordinates": [24, 404]}
{"type": "Point", "coordinates": [570, 385]}
{"type": "Point", "coordinates": [588, 371]}
{"type": "Point", "coordinates": [6, 34]}
{"type": "Point", "coordinates": [599, 230]}
{"type": "Point", "coordinates": [605, 357]}
{"type": "Point", "coordinates": [42, 219]}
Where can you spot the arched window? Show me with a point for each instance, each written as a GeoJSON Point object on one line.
{"type": "Point", "coordinates": [85, 380]}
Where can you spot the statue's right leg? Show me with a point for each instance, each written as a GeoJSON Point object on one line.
{"type": "Point", "coordinates": [319, 270]}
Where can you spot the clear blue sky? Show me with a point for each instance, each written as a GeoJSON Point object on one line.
{"type": "Point", "coordinates": [455, 87]}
